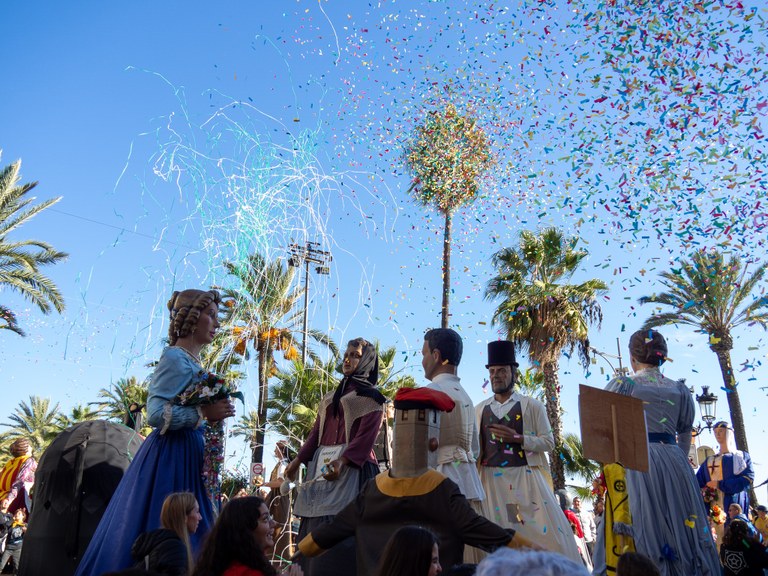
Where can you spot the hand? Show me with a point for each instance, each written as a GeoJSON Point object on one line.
{"type": "Point", "coordinates": [712, 484]}
{"type": "Point", "coordinates": [520, 541]}
{"type": "Point", "coordinates": [292, 468]}
{"type": "Point", "coordinates": [505, 434]}
{"type": "Point", "coordinates": [333, 470]}
{"type": "Point", "coordinates": [219, 410]}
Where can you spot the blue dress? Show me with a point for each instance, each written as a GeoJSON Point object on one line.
{"type": "Point", "coordinates": [170, 460]}
{"type": "Point", "coordinates": [669, 522]}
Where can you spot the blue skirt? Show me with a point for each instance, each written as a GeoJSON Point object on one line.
{"type": "Point", "coordinates": [164, 464]}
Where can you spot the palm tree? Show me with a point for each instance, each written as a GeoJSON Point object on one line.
{"type": "Point", "coordinates": [714, 296]}
{"type": "Point", "coordinates": [20, 261]}
{"type": "Point", "coordinates": [545, 316]}
{"type": "Point", "coordinates": [295, 396]}
{"type": "Point", "coordinates": [79, 413]}
{"type": "Point", "coordinates": [391, 380]}
{"type": "Point", "coordinates": [248, 427]}
{"type": "Point", "coordinates": [263, 312]}
{"type": "Point", "coordinates": [447, 156]}
{"type": "Point", "coordinates": [37, 421]}
{"type": "Point", "coordinates": [126, 399]}
{"type": "Point", "coordinates": [576, 464]}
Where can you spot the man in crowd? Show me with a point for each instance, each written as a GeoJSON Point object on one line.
{"type": "Point", "coordinates": [515, 435]}
{"type": "Point", "coordinates": [587, 519]}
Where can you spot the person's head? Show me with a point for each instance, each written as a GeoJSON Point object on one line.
{"type": "Point", "coordinates": [283, 451]}
{"type": "Point", "coordinates": [599, 508]}
{"type": "Point", "coordinates": [20, 515]}
{"type": "Point", "coordinates": [441, 351]}
{"type": "Point", "coordinates": [564, 499]}
{"type": "Point", "coordinates": [242, 533]}
{"type": "Point", "coordinates": [761, 511]}
{"type": "Point", "coordinates": [577, 503]}
{"type": "Point", "coordinates": [734, 510]}
{"type": "Point", "coordinates": [507, 561]}
{"type": "Point", "coordinates": [647, 348]}
{"type": "Point", "coordinates": [417, 429]}
{"type": "Point", "coordinates": [411, 551]}
{"type": "Point", "coordinates": [636, 564]}
{"type": "Point", "coordinates": [194, 316]}
{"type": "Point", "coordinates": [20, 447]}
{"type": "Point", "coordinates": [502, 366]}
{"type": "Point", "coordinates": [738, 534]}
{"type": "Point", "coordinates": [4, 503]}
{"type": "Point", "coordinates": [725, 437]}
{"type": "Point", "coordinates": [181, 515]}
{"type": "Point", "coordinates": [358, 357]}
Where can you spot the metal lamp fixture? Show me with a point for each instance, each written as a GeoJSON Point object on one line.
{"type": "Point", "coordinates": [707, 406]}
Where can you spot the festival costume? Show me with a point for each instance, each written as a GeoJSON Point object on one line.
{"type": "Point", "coordinates": [430, 500]}
{"type": "Point", "coordinates": [743, 559]}
{"type": "Point", "coordinates": [16, 480]}
{"type": "Point", "coordinates": [347, 425]}
{"type": "Point", "coordinates": [170, 460]}
{"type": "Point", "coordinates": [516, 478]}
{"type": "Point", "coordinates": [660, 511]}
{"type": "Point", "coordinates": [459, 441]}
{"type": "Point", "coordinates": [237, 569]}
{"type": "Point", "coordinates": [734, 475]}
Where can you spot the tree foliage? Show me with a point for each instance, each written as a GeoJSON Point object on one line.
{"type": "Point", "coordinates": [21, 260]}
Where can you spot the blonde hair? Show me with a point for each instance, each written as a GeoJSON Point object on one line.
{"type": "Point", "coordinates": [185, 308]}
{"type": "Point", "coordinates": [173, 517]}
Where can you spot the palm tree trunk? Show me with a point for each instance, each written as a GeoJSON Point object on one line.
{"type": "Point", "coordinates": [552, 388]}
{"type": "Point", "coordinates": [257, 451]}
{"type": "Point", "coordinates": [734, 405]}
{"type": "Point", "coordinates": [446, 268]}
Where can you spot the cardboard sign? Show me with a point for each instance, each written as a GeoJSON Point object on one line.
{"type": "Point", "coordinates": [613, 428]}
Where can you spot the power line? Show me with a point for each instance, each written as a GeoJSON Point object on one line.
{"type": "Point", "coordinates": [121, 229]}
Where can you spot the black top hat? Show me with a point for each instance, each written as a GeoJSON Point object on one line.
{"type": "Point", "coordinates": [501, 353]}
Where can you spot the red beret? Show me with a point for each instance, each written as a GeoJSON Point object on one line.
{"type": "Point", "coordinates": [423, 399]}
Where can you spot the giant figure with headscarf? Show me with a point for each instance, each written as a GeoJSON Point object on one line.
{"type": "Point", "coordinates": [728, 474]}
{"type": "Point", "coordinates": [339, 454]}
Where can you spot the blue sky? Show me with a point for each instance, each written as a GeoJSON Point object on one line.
{"type": "Point", "coordinates": [182, 134]}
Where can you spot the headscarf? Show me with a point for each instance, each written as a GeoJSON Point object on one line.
{"type": "Point", "coordinates": [366, 376]}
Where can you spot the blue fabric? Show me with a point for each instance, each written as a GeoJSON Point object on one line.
{"type": "Point", "coordinates": [735, 488]}
{"type": "Point", "coordinates": [164, 464]}
{"type": "Point", "coordinates": [662, 438]}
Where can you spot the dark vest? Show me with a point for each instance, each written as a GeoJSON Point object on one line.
{"type": "Point", "coordinates": [495, 452]}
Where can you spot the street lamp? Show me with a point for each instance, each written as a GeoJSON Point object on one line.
{"type": "Point", "coordinates": [621, 370]}
{"type": "Point", "coordinates": [707, 406]}
{"type": "Point", "coordinates": [306, 254]}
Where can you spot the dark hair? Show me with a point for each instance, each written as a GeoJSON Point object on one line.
{"type": "Point", "coordinates": [19, 447]}
{"type": "Point", "coordinates": [448, 342]}
{"type": "Point", "coordinates": [408, 552]}
{"type": "Point", "coordinates": [636, 564]}
{"type": "Point", "coordinates": [738, 533]}
{"type": "Point", "coordinates": [648, 347]}
{"type": "Point", "coordinates": [231, 540]}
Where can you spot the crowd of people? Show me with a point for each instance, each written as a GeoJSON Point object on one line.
{"type": "Point", "coordinates": [465, 490]}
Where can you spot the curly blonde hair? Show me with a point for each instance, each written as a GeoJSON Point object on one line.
{"type": "Point", "coordinates": [185, 308]}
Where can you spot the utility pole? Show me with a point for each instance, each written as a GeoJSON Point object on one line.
{"type": "Point", "coordinates": [306, 254]}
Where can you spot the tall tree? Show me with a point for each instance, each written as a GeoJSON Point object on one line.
{"type": "Point", "coordinates": [124, 401]}
{"type": "Point", "coordinates": [447, 156]}
{"type": "Point", "coordinates": [544, 315]}
{"type": "Point", "coordinates": [262, 312]}
{"type": "Point", "coordinates": [79, 413]}
{"type": "Point", "coordinates": [21, 260]}
{"type": "Point", "coordinates": [715, 296]}
{"type": "Point", "coordinates": [38, 421]}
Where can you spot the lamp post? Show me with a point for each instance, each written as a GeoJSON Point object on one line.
{"type": "Point", "coordinates": [707, 402]}
{"type": "Point", "coordinates": [307, 254]}
{"type": "Point", "coordinates": [621, 370]}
